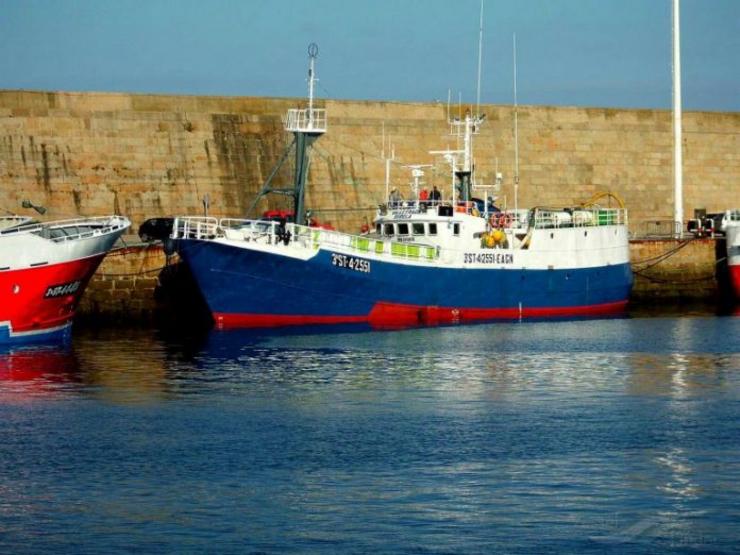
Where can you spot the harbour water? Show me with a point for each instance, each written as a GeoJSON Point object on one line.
{"type": "Point", "coordinates": [606, 436]}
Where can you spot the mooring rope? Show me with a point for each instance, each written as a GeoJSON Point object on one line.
{"type": "Point", "coordinates": [130, 274]}
{"type": "Point", "coordinates": [662, 256]}
{"type": "Point", "coordinates": [672, 281]}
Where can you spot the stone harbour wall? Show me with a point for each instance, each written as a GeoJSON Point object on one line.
{"type": "Point", "coordinates": [151, 155]}
{"type": "Point", "coordinates": [123, 288]}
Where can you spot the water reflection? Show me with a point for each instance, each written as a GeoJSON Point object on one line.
{"type": "Point", "coordinates": [29, 372]}
{"type": "Point", "coordinates": [681, 375]}
{"type": "Point", "coordinates": [120, 367]}
{"type": "Point", "coordinates": [494, 438]}
{"type": "Point", "coordinates": [505, 362]}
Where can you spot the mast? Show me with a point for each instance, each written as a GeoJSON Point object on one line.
{"type": "Point", "coordinates": [480, 57]}
{"type": "Point", "coordinates": [463, 174]}
{"type": "Point", "coordinates": [464, 128]}
{"type": "Point", "coordinates": [677, 131]}
{"type": "Point", "coordinates": [467, 128]}
{"type": "Point", "coordinates": [307, 125]}
{"type": "Point", "coordinates": [389, 157]}
{"type": "Point", "coordinates": [516, 139]}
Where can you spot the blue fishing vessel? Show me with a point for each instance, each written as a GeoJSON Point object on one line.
{"type": "Point", "coordinates": [450, 258]}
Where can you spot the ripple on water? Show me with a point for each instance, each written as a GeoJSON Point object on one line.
{"type": "Point", "coordinates": [598, 436]}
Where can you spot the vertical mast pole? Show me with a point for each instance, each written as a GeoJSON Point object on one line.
{"type": "Point", "coordinates": [389, 157]}
{"type": "Point", "coordinates": [312, 58]}
{"type": "Point", "coordinates": [516, 139]}
{"type": "Point", "coordinates": [677, 135]}
{"type": "Point", "coordinates": [480, 57]}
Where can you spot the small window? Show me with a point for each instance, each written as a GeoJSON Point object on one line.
{"type": "Point", "coordinates": [388, 229]}
{"type": "Point", "coordinates": [378, 229]}
{"type": "Point", "coordinates": [403, 229]}
{"type": "Point", "coordinates": [432, 229]}
{"type": "Point", "coordinates": [417, 228]}
{"type": "Point", "coordinates": [456, 229]}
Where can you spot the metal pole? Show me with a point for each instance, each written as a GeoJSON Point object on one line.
{"type": "Point", "coordinates": [387, 178]}
{"type": "Point", "coordinates": [480, 57]}
{"type": "Point", "coordinates": [677, 138]}
{"type": "Point", "coordinates": [310, 85]}
{"type": "Point", "coordinates": [313, 51]}
{"type": "Point", "coordinates": [516, 141]}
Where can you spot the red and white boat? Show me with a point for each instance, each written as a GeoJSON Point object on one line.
{"type": "Point", "coordinates": [44, 269]}
{"type": "Point", "coordinates": [731, 227]}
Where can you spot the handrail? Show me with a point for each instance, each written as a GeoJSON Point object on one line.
{"type": "Point", "coordinates": [545, 218]}
{"type": "Point", "coordinates": [272, 232]}
{"type": "Point", "coordinates": [194, 227]}
{"type": "Point", "coordinates": [96, 225]}
{"type": "Point", "coordinates": [306, 120]}
{"type": "Point", "coordinates": [657, 228]}
{"type": "Point", "coordinates": [414, 206]}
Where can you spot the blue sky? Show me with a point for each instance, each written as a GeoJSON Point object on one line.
{"type": "Point", "coordinates": [614, 53]}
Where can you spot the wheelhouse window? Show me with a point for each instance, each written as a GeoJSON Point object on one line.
{"type": "Point", "coordinates": [432, 229]}
{"type": "Point", "coordinates": [417, 228]}
{"type": "Point", "coordinates": [403, 229]}
{"type": "Point", "coordinates": [388, 229]}
{"type": "Point", "coordinates": [378, 229]}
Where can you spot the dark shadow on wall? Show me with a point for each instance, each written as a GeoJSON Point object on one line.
{"type": "Point", "coordinates": [246, 152]}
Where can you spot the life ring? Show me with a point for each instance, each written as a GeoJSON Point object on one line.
{"type": "Point", "coordinates": [501, 220]}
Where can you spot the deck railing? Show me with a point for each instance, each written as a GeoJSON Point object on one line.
{"type": "Point", "coordinates": [69, 230]}
{"type": "Point", "coordinates": [658, 228]}
{"type": "Point", "coordinates": [308, 120]}
{"type": "Point", "coordinates": [578, 217]}
{"type": "Point", "coordinates": [194, 227]}
{"type": "Point", "coordinates": [364, 244]}
{"type": "Point", "coordinates": [273, 233]}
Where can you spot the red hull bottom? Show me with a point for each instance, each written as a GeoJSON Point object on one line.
{"type": "Point", "coordinates": [390, 315]}
{"type": "Point", "coordinates": [735, 280]}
